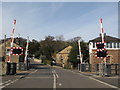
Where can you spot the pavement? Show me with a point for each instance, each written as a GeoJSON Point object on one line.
{"type": "Point", "coordinates": [42, 76]}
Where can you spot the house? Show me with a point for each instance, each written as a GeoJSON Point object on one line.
{"type": "Point", "coordinates": [62, 56]}
{"type": "Point", "coordinates": [4, 52]}
{"type": "Point", "coordinates": [112, 46]}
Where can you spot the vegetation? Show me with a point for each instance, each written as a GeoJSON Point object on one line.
{"type": "Point", "coordinates": [75, 51]}
{"type": "Point", "coordinates": [47, 48]}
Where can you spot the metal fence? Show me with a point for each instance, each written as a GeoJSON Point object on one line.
{"type": "Point", "coordinates": [85, 67]}
{"type": "Point", "coordinates": [107, 69]}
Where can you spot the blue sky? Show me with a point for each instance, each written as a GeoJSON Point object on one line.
{"type": "Point", "coordinates": [71, 19]}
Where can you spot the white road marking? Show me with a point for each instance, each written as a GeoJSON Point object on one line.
{"type": "Point", "coordinates": [56, 74]}
{"type": "Point", "coordinates": [8, 83]}
{"type": "Point", "coordinates": [112, 86]}
{"type": "Point", "coordinates": [103, 82]}
{"type": "Point", "coordinates": [5, 82]}
{"type": "Point", "coordinates": [38, 77]}
{"type": "Point", "coordinates": [54, 81]}
{"type": "Point", "coordinates": [60, 84]}
{"type": "Point", "coordinates": [33, 72]}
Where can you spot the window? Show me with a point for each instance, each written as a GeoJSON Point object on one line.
{"type": "Point", "coordinates": [110, 44]}
{"type": "Point", "coordinates": [107, 45]}
{"type": "Point", "coordinates": [114, 45]}
{"type": "Point", "coordinates": [118, 45]}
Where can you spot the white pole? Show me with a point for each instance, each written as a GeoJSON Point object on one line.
{"type": "Point", "coordinates": [80, 51]}
{"type": "Point", "coordinates": [12, 40]}
{"type": "Point", "coordinates": [26, 52]}
{"type": "Point", "coordinates": [102, 30]}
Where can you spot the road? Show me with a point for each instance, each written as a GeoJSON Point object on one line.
{"type": "Point", "coordinates": [55, 78]}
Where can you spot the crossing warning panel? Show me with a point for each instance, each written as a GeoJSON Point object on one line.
{"type": "Point", "coordinates": [17, 51]}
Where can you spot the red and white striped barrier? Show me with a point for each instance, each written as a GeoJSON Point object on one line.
{"type": "Point", "coordinates": [26, 52]}
{"type": "Point", "coordinates": [80, 54]}
{"type": "Point", "coordinates": [102, 30]}
{"type": "Point", "coordinates": [12, 40]}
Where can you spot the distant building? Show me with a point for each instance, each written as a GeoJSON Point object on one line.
{"type": "Point", "coordinates": [112, 46]}
{"type": "Point", "coordinates": [62, 56]}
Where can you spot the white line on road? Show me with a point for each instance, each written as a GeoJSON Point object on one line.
{"type": "Point", "coordinates": [103, 82]}
{"type": "Point", "coordinates": [54, 81]}
{"type": "Point", "coordinates": [5, 82]}
{"type": "Point", "coordinates": [38, 77]}
{"type": "Point", "coordinates": [95, 80]}
{"type": "Point", "coordinates": [56, 73]}
{"type": "Point", "coordinates": [33, 72]}
{"type": "Point", "coordinates": [8, 83]}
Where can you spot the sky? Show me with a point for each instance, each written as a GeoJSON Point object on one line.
{"type": "Point", "coordinates": [70, 19]}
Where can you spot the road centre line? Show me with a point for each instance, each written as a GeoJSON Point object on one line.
{"type": "Point", "coordinates": [56, 73]}
{"type": "Point", "coordinates": [54, 81]}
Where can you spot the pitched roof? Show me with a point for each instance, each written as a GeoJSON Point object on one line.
{"type": "Point", "coordinates": [63, 49]}
{"type": "Point", "coordinates": [107, 39]}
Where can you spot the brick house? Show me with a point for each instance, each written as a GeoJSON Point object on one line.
{"type": "Point", "coordinates": [112, 46]}
{"type": "Point", "coordinates": [62, 56]}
